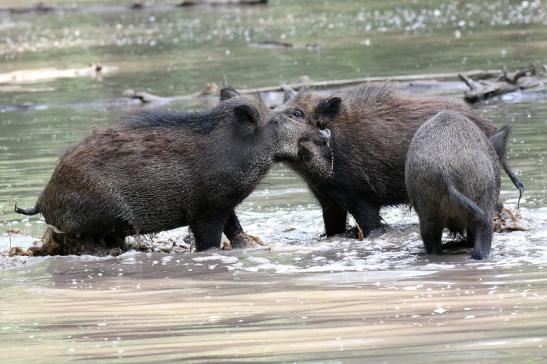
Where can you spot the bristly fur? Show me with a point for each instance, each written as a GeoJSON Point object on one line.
{"type": "Point", "coordinates": [370, 93]}
{"type": "Point", "coordinates": [198, 122]}
{"type": "Point", "coordinates": [370, 138]}
{"type": "Point", "coordinates": [160, 170]}
{"type": "Point", "coordinates": [452, 175]}
{"type": "Point", "coordinates": [195, 121]}
{"type": "Point", "coordinates": [201, 122]}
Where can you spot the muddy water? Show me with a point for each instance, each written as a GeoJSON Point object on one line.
{"type": "Point", "coordinates": [306, 297]}
{"type": "Point", "coordinates": [157, 308]}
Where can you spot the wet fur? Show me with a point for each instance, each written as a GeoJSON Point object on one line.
{"type": "Point", "coordinates": [453, 180]}
{"type": "Point", "coordinates": [160, 170]}
{"type": "Point", "coordinates": [370, 138]}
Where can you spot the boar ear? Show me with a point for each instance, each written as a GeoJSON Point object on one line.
{"type": "Point", "coordinates": [227, 93]}
{"type": "Point", "coordinates": [329, 107]}
{"type": "Point", "coordinates": [499, 141]}
{"type": "Point", "coordinates": [246, 115]}
{"type": "Point", "coordinates": [288, 94]}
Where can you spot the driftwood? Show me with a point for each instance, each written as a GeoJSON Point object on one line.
{"type": "Point", "coordinates": [38, 8]}
{"type": "Point", "coordinates": [222, 2]}
{"type": "Point", "coordinates": [504, 83]}
{"type": "Point", "coordinates": [272, 44]}
{"type": "Point", "coordinates": [408, 80]}
{"type": "Point", "coordinates": [277, 45]}
{"type": "Point", "coordinates": [507, 221]}
{"type": "Point", "coordinates": [42, 8]}
{"type": "Point", "coordinates": [306, 82]}
{"type": "Point", "coordinates": [272, 95]}
{"type": "Point", "coordinates": [483, 84]}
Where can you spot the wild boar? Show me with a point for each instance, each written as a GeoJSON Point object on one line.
{"type": "Point", "coordinates": [162, 169]}
{"type": "Point", "coordinates": [372, 126]}
{"type": "Point", "coordinates": [452, 175]}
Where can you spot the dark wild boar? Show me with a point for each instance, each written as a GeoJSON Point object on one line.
{"type": "Point", "coordinates": [162, 170]}
{"type": "Point", "coordinates": [453, 180]}
{"type": "Point", "coordinates": [372, 126]}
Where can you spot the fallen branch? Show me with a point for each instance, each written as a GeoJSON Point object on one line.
{"type": "Point", "coordinates": [38, 8]}
{"type": "Point", "coordinates": [355, 81]}
{"type": "Point", "coordinates": [505, 83]}
{"type": "Point", "coordinates": [212, 89]}
{"type": "Point", "coordinates": [42, 8]}
{"type": "Point", "coordinates": [222, 2]}
{"type": "Point", "coordinates": [272, 44]}
{"type": "Point", "coordinates": [507, 221]}
{"type": "Point", "coordinates": [469, 82]}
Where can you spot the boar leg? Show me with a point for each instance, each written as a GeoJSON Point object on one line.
{"type": "Point", "coordinates": [232, 227]}
{"type": "Point", "coordinates": [479, 233]}
{"type": "Point", "coordinates": [432, 233]}
{"type": "Point", "coordinates": [367, 216]}
{"type": "Point", "coordinates": [207, 233]}
{"type": "Point", "coordinates": [334, 217]}
{"type": "Point", "coordinates": [479, 228]}
{"type": "Point", "coordinates": [238, 239]}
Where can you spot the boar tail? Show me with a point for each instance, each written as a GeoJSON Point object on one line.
{"type": "Point", "coordinates": [464, 202]}
{"type": "Point", "coordinates": [513, 177]}
{"type": "Point", "coordinates": [32, 211]}
{"type": "Point", "coordinates": [499, 142]}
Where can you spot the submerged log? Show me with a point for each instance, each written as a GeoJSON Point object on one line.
{"type": "Point", "coordinates": [274, 94]}
{"type": "Point", "coordinates": [505, 83]}
{"type": "Point", "coordinates": [507, 221]}
{"type": "Point", "coordinates": [185, 3]}
{"type": "Point", "coordinates": [306, 82]}
{"type": "Point", "coordinates": [42, 8]}
{"type": "Point", "coordinates": [272, 44]}
{"type": "Point", "coordinates": [38, 8]}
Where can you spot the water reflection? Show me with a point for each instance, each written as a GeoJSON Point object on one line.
{"type": "Point", "coordinates": [307, 298]}
{"type": "Point", "coordinates": [154, 311]}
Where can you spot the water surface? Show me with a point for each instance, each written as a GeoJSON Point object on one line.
{"type": "Point", "coordinates": [306, 298]}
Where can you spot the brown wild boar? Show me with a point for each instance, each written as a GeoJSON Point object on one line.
{"type": "Point", "coordinates": [372, 126]}
{"type": "Point", "coordinates": [162, 169]}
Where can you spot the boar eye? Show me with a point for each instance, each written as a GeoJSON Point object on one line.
{"type": "Point", "coordinates": [297, 114]}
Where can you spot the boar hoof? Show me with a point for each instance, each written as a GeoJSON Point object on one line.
{"type": "Point", "coordinates": [359, 233]}
{"type": "Point", "coordinates": [245, 241]}
{"type": "Point", "coordinates": [354, 232]}
{"type": "Point", "coordinates": [477, 255]}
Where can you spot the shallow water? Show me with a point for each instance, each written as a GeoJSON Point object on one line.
{"type": "Point", "coordinates": [306, 297]}
{"type": "Point", "coordinates": [145, 309]}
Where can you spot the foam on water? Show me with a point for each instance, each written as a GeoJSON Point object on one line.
{"type": "Point", "coordinates": [295, 246]}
